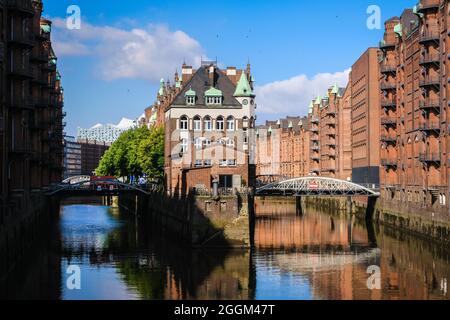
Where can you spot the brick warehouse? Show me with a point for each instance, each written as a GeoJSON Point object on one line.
{"type": "Point", "coordinates": [414, 122]}
{"type": "Point", "coordinates": [396, 100]}
{"type": "Point", "coordinates": [31, 117]}
{"type": "Point", "coordinates": [208, 129]}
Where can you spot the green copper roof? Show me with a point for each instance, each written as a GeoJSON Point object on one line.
{"type": "Point", "coordinates": [46, 28]}
{"type": "Point", "coordinates": [335, 89]}
{"type": "Point", "coordinates": [270, 129]}
{"type": "Point", "coordinates": [213, 92]}
{"type": "Point", "coordinates": [318, 100]}
{"type": "Point", "coordinates": [243, 88]}
{"type": "Point", "coordinates": [161, 87]}
{"type": "Point", "coordinates": [416, 12]}
{"type": "Point", "coordinates": [190, 93]}
{"type": "Point", "coordinates": [311, 106]}
{"type": "Point", "coordinates": [53, 61]}
{"type": "Point", "coordinates": [290, 126]}
{"type": "Point", "coordinates": [398, 29]}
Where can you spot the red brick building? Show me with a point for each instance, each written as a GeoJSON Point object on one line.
{"type": "Point", "coordinates": [208, 126]}
{"type": "Point", "coordinates": [414, 121]}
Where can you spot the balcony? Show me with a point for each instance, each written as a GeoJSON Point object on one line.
{"type": "Point", "coordinates": [314, 129]}
{"type": "Point", "coordinates": [21, 39]}
{"type": "Point", "coordinates": [331, 134]}
{"type": "Point", "coordinates": [430, 157]}
{"type": "Point", "coordinates": [430, 59]}
{"type": "Point", "coordinates": [388, 121]}
{"type": "Point", "coordinates": [22, 6]}
{"type": "Point", "coordinates": [315, 158]}
{"type": "Point", "coordinates": [384, 45]}
{"type": "Point", "coordinates": [388, 86]}
{"type": "Point", "coordinates": [389, 163]}
{"type": "Point", "coordinates": [387, 68]}
{"type": "Point", "coordinates": [41, 102]}
{"type": "Point", "coordinates": [428, 104]}
{"type": "Point", "coordinates": [427, 5]}
{"type": "Point", "coordinates": [430, 126]}
{"type": "Point", "coordinates": [429, 36]}
{"type": "Point", "coordinates": [19, 102]}
{"type": "Point", "coordinates": [388, 103]}
{"type": "Point", "coordinates": [315, 148]}
{"type": "Point", "coordinates": [330, 113]}
{"type": "Point", "coordinates": [314, 120]}
{"type": "Point", "coordinates": [430, 81]}
{"type": "Point", "coordinates": [388, 139]}
{"type": "Point", "coordinates": [331, 154]}
{"type": "Point", "coordinates": [20, 71]}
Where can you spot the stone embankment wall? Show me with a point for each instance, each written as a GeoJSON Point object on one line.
{"type": "Point", "coordinates": [200, 221]}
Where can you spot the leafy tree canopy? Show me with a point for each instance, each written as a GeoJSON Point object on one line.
{"type": "Point", "coordinates": [136, 152]}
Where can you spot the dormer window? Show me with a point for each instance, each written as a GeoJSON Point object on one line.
{"type": "Point", "coordinates": [191, 97]}
{"type": "Point", "coordinates": [213, 96]}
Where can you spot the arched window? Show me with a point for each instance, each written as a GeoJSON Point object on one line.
{"type": "Point", "coordinates": [230, 143]}
{"type": "Point", "coordinates": [230, 123]}
{"type": "Point", "coordinates": [220, 123]}
{"type": "Point", "coordinates": [207, 123]}
{"type": "Point", "coordinates": [184, 123]}
{"type": "Point", "coordinates": [197, 123]}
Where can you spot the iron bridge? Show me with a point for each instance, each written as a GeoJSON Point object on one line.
{"type": "Point", "coordinates": [315, 186]}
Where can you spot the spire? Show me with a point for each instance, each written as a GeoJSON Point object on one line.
{"type": "Point", "coordinates": [161, 87]}
{"type": "Point", "coordinates": [243, 88]}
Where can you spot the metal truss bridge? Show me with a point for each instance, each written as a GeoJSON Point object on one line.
{"type": "Point", "coordinates": [311, 186]}
{"type": "Point", "coordinates": [82, 186]}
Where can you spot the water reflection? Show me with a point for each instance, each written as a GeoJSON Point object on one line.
{"type": "Point", "coordinates": [314, 256]}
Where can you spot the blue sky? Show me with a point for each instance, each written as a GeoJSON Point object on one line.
{"type": "Point", "coordinates": [111, 66]}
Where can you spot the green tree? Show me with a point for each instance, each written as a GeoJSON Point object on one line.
{"type": "Point", "coordinates": [135, 152]}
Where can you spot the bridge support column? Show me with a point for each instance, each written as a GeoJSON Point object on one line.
{"type": "Point", "coordinates": [298, 206]}
{"type": "Point", "coordinates": [349, 205]}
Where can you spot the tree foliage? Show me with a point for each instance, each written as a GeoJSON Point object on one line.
{"type": "Point", "coordinates": [136, 152]}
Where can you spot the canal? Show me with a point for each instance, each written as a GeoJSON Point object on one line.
{"type": "Point", "coordinates": [315, 256]}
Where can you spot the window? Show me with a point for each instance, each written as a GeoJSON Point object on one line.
{"type": "Point", "coordinates": [207, 123]}
{"type": "Point", "coordinates": [197, 124]}
{"type": "Point", "coordinates": [190, 100]}
{"type": "Point", "coordinates": [198, 163]}
{"type": "Point", "coordinates": [184, 146]}
{"type": "Point", "coordinates": [230, 143]}
{"type": "Point", "coordinates": [223, 163]}
{"type": "Point", "coordinates": [231, 163]}
{"type": "Point", "coordinates": [198, 143]}
{"type": "Point", "coordinates": [214, 100]}
{"type": "Point", "coordinates": [220, 123]}
{"type": "Point", "coordinates": [230, 123]}
{"type": "Point", "coordinates": [184, 123]}
{"type": "Point", "coordinates": [245, 133]}
{"type": "Point", "coordinates": [207, 163]}
{"type": "Point", "coordinates": [207, 142]}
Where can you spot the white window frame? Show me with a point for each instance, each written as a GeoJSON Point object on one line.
{"type": "Point", "coordinates": [184, 123]}
{"type": "Point", "coordinates": [198, 143]}
{"type": "Point", "coordinates": [184, 145]}
{"type": "Point", "coordinates": [207, 123]}
{"type": "Point", "coordinates": [190, 100]}
{"type": "Point", "coordinates": [220, 123]}
{"type": "Point", "coordinates": [231, 123]}
{"type": "Point", "coordinates": [197, 124]}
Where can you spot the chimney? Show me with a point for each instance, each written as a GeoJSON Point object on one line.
{"type": "Point", "coordinates": [186, 73]}
{"type": "Point", "coordinates": [231, 74]}
{"type": "Point", "coordinates": [211, 75]}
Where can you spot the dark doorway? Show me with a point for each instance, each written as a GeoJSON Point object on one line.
{"type": "Point", "coordinates": [226, 181]}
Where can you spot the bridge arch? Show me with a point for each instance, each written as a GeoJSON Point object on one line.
{"type": "Point", "coordinates": [316, 186]}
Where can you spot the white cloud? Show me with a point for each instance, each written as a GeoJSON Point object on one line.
{"type": "Point", "coordinates": [292, 96]}
{"type": "Point", "coordinates": [150, 53]}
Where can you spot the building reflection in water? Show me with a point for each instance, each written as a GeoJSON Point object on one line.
{"type": "Point", "coordinates": [333, 251]}
{"type": "Point", "coordinates": [314, 256]}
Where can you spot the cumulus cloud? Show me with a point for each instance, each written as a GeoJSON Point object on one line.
{"type": "Point", "coordinates": [292, 96]}
{"type": "Point", "coordinates": [149, 53]}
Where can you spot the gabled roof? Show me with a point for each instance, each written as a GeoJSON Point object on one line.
{"type": "Point", "coordinates": [243, 88]}
{"type": "Point", "coordinates": [190, 93]}
{"type": "Point", "coordinates": [200, 83]}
